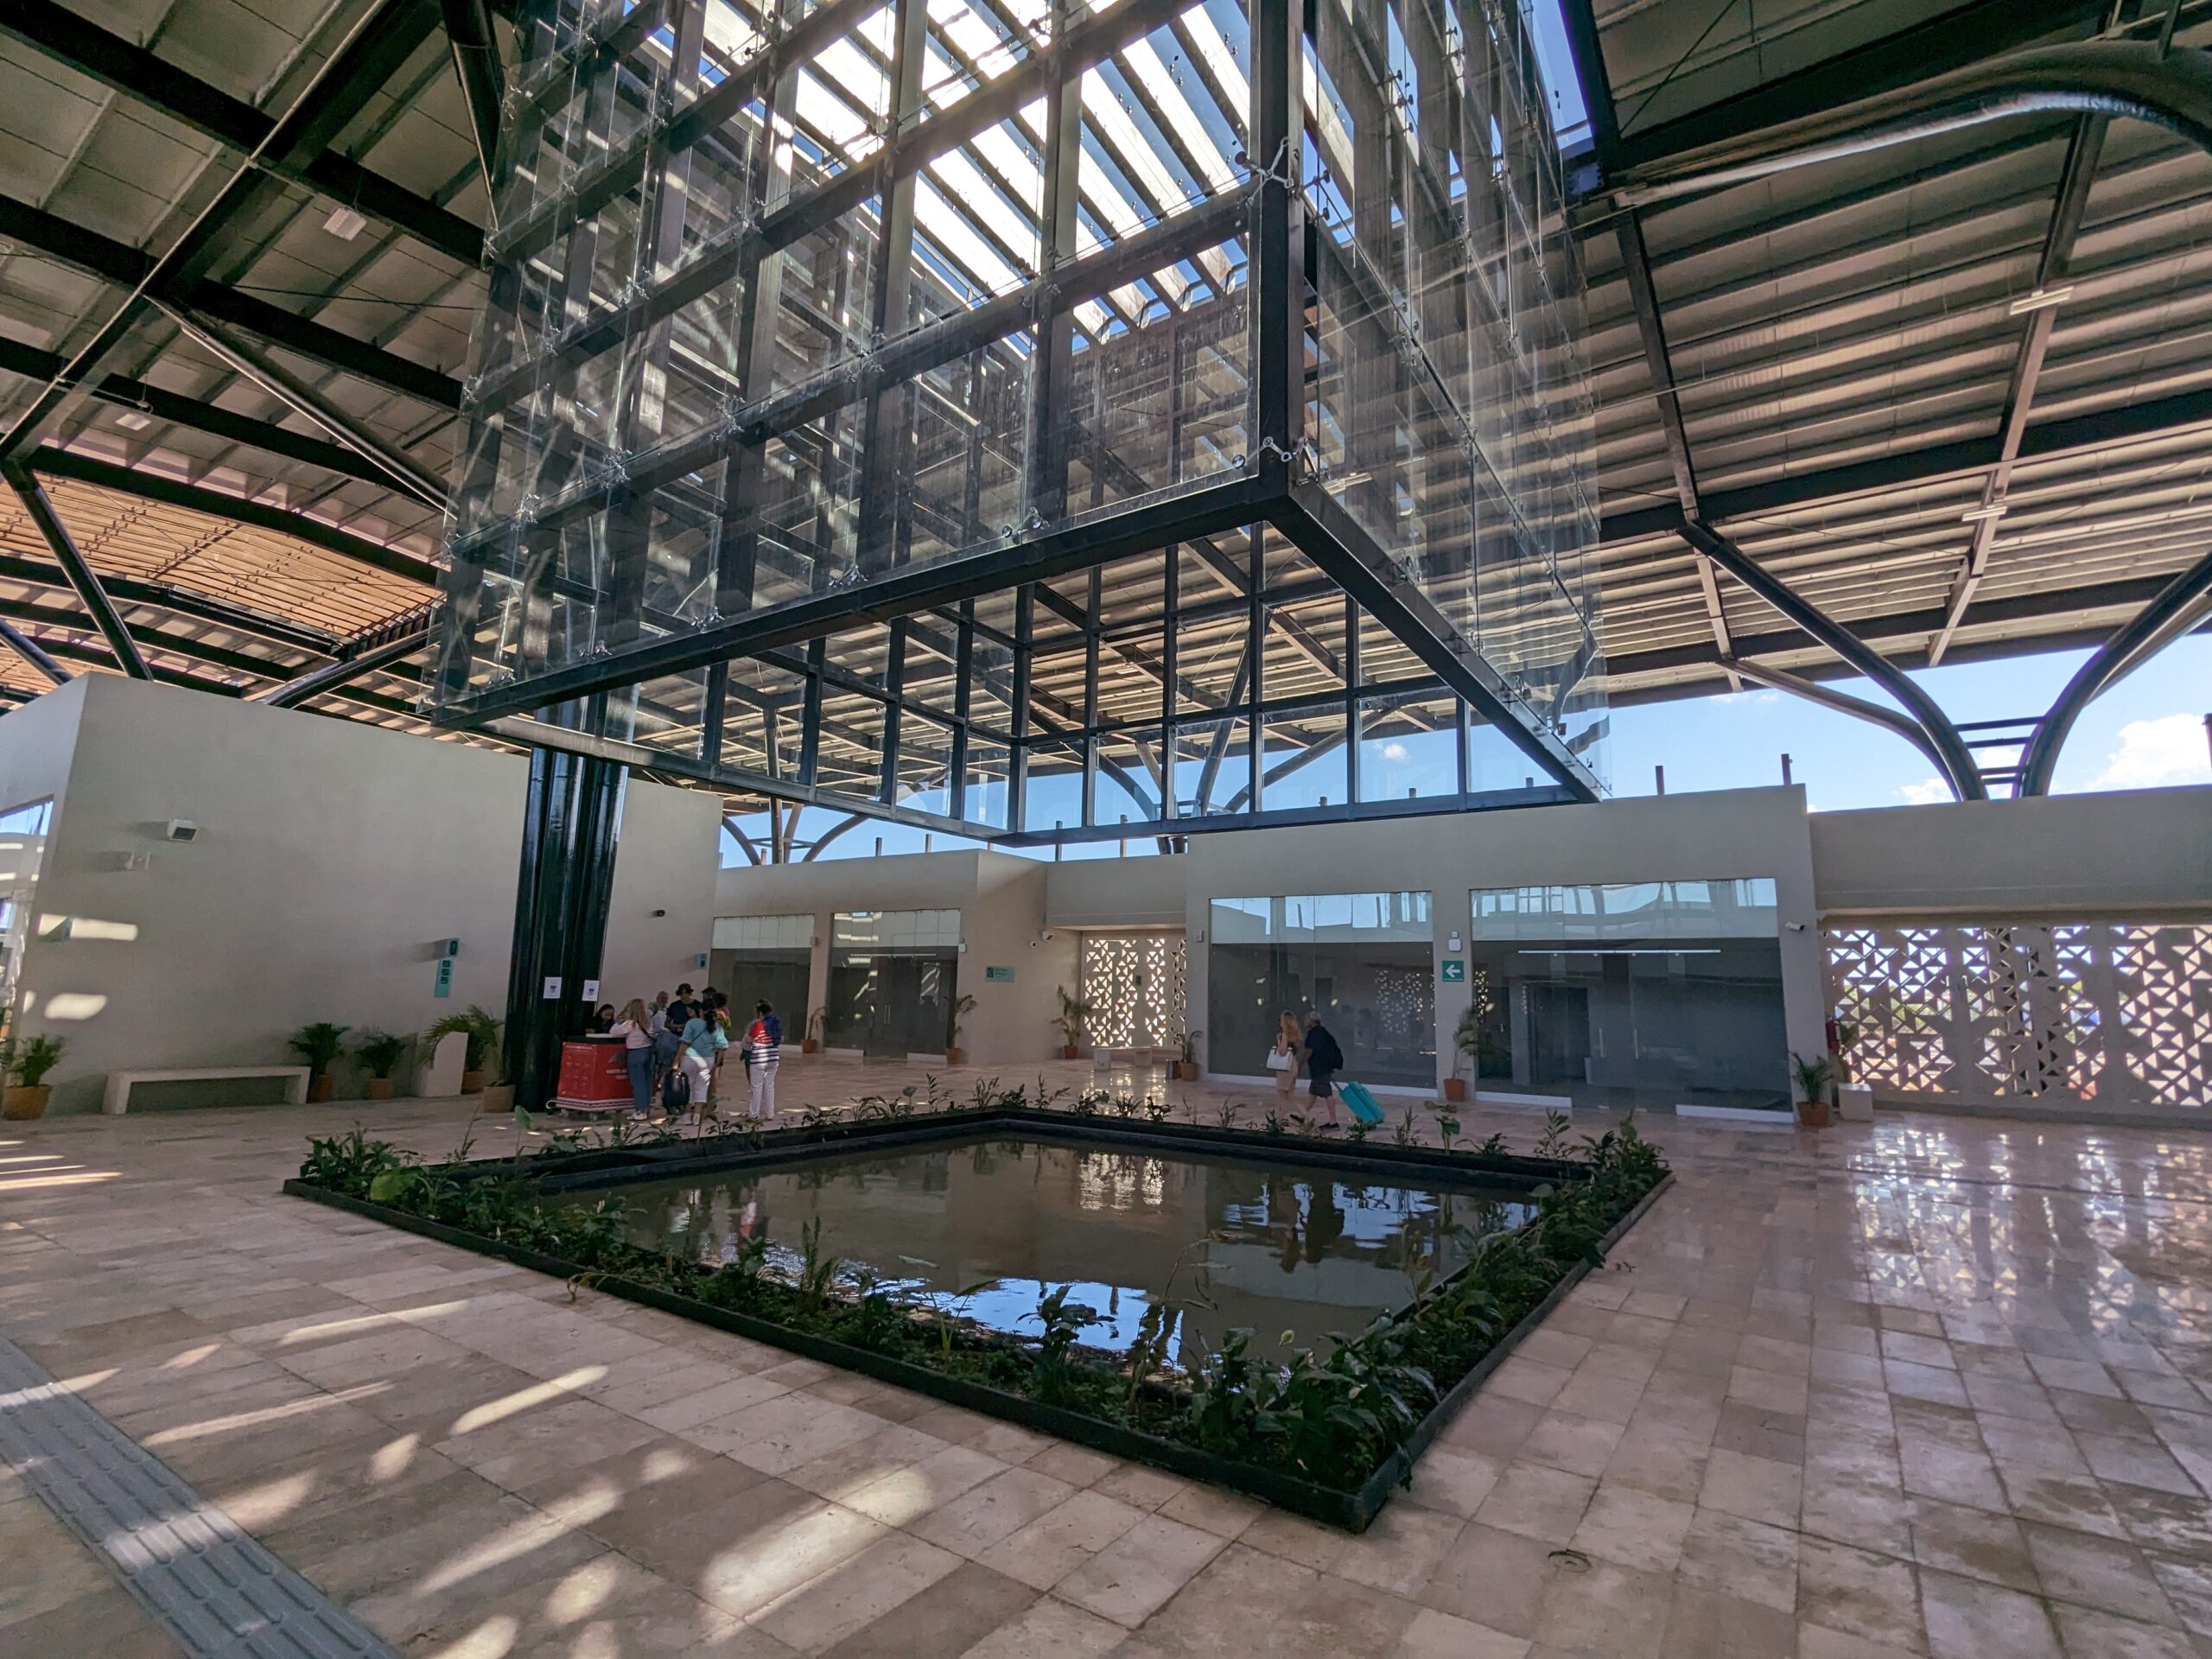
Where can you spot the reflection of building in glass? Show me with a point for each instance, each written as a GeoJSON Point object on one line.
{"type": "Point", "coordinates": [892, 974]}
{"type": "Point", "coordinates": [1362, 961]}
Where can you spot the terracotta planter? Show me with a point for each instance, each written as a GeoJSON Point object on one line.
{"type": "Point", "coordinates": [807, 1044]}
{"type": "Point", "coordinates": [1067, 1051]}
{"type": "Point", "coordinates": [471, 1083]}
{"type": "Point", "coordinates": [1186, 1070]}
{"type": "Point", "coordinates": [1812, 1114]}
{"type": "Point", "coordinates": [21, 1102]}
{"type": "Point", "coordinates": [379, 1088]}
{"type": "Point", "coordinates": [498, 1098]}
{"type": "Point", "coordinates": [318, 1088]}
{"type": "Point", "coordinates": [1455, 1089]}
{"type": "Point", "coordinates": [955, 1056]}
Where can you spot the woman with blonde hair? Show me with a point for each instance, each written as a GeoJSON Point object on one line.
{"type": "Point", "coordinates": [1282, 1059]}
{"type": "Point", "coordinates": [634, 1027]}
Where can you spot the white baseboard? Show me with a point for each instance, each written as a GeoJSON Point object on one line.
{"type": "Point", "coordinates": [1748, 1116]}
{"type": "Point", "coordinates": [1505, 1097]}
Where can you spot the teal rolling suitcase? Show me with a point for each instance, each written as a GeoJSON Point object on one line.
{"type": "Point", "coordinates": [1363, 1104]}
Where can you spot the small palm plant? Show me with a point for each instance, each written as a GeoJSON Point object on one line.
{"type": "Point", "coordinates": [381, 1053]}
{"type": "Point", "coordinates": [24, 1063]}
{"type": "Point", "coordinates": [481, 1051]}
{"type": "Point", "coordinates": [1070, 1019]}
{"type": "Point", "coordinates": [1813, 1078]}
{"type": "Point", "coordinates": [318, 1044]}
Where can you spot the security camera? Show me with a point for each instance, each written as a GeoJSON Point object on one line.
{"type": "Point", "coordinates": [1795, 927]}
{"type": "Point", "coordinates": [1047, 933]}
{"type": "Point", "coordinates": [660, 912]}
{"type": "Point", "coordinates": [181, 829]}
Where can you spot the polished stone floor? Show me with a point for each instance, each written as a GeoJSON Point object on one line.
{"type": "Point", "coordinates": [1931, 1386]}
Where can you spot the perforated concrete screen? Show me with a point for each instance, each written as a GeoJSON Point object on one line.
{"type": "Point", "coordinates": [838, 360]}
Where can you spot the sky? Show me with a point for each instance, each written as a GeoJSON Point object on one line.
{"type": "Point", "coordinates": [2146, 733]}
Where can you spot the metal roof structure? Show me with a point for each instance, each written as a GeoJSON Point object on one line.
{"type": "Point", "coordinates": [1950, 393]}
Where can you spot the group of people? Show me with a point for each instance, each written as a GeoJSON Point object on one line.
{"type": "Point", "coordinates": [1306, 1048]}
{"type": "Point", "coordinates": [676, 1047]}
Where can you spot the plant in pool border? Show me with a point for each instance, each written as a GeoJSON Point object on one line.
{"type": "Point", "coordinates": [1334, 1421]}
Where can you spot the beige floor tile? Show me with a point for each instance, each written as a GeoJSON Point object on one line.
{"type": "Point", "coordinates": [1748, 1560]}
{"type": "Point", "coordinates": [1860, 1593]}
{"type": "Point", "coordinates": [1052, 1545]}
{"type": "Point", "coordinates": [1581, 1445]}
{"type": "Point", "coordinates": [904, 1497]}
{"type": "Point", "coordinates": [853, 1594]}
{"type": "Point", "coordinates": [1972, 1543]}
{"type": "Point", "coordinates": [981, 1517]}
{"type": "Point", "coordinates": [1607, 1611]}
{"type": "Point", "coordinates": [2105, 1573]}
{"type": "Point", "coordinates": [1139, 1571]}
{"type": "Point", "coordinates": [768, 1564]}
{"type": "Point", "coordinates": [1634, 1528]}
{"type": "Point", "coordinates": [1537, 1500]}
{"type": "Point", "coordinates": [1758, 1489]}
{"type": "Point", "coordinates": [1440, 1635]}
{"type": "Point", "coordinates": [1968, 1619]}
{"type": "Point", "coordinates": [1704, 1624]}
{"type": "Point", "coordinates": [1050, 1629]}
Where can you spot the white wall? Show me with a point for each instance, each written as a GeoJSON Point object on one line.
{"type": "Point", "coordinates": [2135, 850]}
{"type": "Point", "coordinates": [331, 856]}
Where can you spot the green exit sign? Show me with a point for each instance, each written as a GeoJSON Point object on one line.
{"type": "Point", "coordinates": [1004, 975]}
{"type": "Point", "coordinates": [1455, 970]}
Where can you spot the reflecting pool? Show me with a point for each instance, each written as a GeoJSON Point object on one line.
{"type": "Point", "coordinates": [988, 1225]}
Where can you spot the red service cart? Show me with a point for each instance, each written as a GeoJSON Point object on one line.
{"type": "Point", "coordinates": [595, 1076]}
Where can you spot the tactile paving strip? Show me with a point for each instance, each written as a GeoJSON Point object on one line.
{"type": "Point", "coordinates": [212, 1587]}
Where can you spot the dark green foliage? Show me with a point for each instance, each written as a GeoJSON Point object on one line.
{"type": "Point", "coordinates": [1332, 1420]}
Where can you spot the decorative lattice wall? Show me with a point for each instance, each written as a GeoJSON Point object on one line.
{"type": "Point", "coordinates": [1133, 981]}
{"type": "Point", "coordinates": [2115, 1013]}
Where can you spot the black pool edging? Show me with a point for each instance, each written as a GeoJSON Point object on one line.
{"type": "Point", "coordinates": [618, 1166]}
{"type": "Point", "coordinates": [1353, 1510]}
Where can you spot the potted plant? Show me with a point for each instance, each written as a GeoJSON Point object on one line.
{"type": "Point", "coordinates": [1069, 1021]}
{"type": "Point", "coordinates": [962, 1006]}
{"type": "Point", "coordinates": [381, 1053]}
{"type": "Point", "coordinates": [1186, 1069]}
{"type": "Point", "coordinates": [482, 1031]}
{"type": "Point", "coordinates": [1812, 1077]}
{"type": "Point", "coordinates": [817, 1023]}
{"type": "Point", "coordinates": [1467, 1044]}
{"type": "Point", "coordinates": [318, 1044]}
{"type": "Point", "coordinates": [26, 1064]}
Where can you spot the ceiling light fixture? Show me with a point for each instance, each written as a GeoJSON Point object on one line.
{"type": "Point", "coordinates": [1994, 510]}
{"type": "Point", "coordinates": [344, 224]}
{"type": "Point", "coordinates": [2043, 299]}
{"type": "Point", "coordinates": [133, 420]}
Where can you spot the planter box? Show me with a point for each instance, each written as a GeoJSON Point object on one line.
{"type": "Point", "coordinates": [1854, 1102]}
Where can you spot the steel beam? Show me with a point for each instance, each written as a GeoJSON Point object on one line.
{"type": "Point", "coordinates": [356, 71]}
{"type": "Point", "coordinates": [746, 844]}
{"type": "Point", "coordinates": [476, 63]}
{"type": "Point", "coordinates": [2075, 181]}
{"type": "Point", "coordinates": [1956, 761]}
{"type": "Point", "coordinates": [32, 652]}
{"type": "Point", "coordinates": [86, 584]}
{"type": "Point", "coordinates": [395, 470]}
{"type": "Point", "coordinates": [2176, 609]}
{"type": "Point", "coordinates": [344, 672]}
{"type": "Point", "coordinates": [125, 266]}
{"type": "Point", "coordinates": [57, 33]}
{"type": "Point", "coordinates": [1843, 703]}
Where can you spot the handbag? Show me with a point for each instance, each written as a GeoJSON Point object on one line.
{"type": "Point", "coordinates": [1278, 1061]}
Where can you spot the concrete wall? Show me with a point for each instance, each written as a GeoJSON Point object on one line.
{"type": "Point", "coordinates": [330, 858]}
{"type": "Point", "coordinates": [1001, 900]}
{"type": "Point", "coordinates": [1116, 893]}
{"type": "Point", "coordinates": [2147, 850]}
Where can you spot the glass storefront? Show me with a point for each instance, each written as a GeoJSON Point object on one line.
{"type": "Point", "coordinates": [893, 979]}
{"type": "Point", "coordinates": [1362, 961]}
{"type": "Point", "coordinates": [764, 959]}
{"type": "Point", "coordinates": [22, 849]}
{"type": "Point", "coordinates": [1649, 994]}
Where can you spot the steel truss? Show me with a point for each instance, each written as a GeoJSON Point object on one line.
{"type": "Point", "coordinates": [1177, 607]}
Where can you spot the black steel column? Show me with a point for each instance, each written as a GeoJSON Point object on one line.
{"type": "Point", "coordinates": [572, 821]}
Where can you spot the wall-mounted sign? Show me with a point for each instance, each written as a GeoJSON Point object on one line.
{"type": "Point", "coordinates": [1455, 971]}
{"type": "Point", "coordinates": [443, 987]}
{"type": "Point", "coordinates": [448, 947]}
{"type": "Point", "coordinates": [552, 987]}
{"type": "Point", "coordinates": [591, 990]}
{"type": "Point", "coordinates": [1004, 975]}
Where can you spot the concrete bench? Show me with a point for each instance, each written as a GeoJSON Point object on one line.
{"type": "Point", "coordinates": [119, 1083]}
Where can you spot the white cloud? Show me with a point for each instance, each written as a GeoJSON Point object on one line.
{"type": "Point", "coordinates": [2168, 750]}
{"type": "Point", "coordinates": [1397, 751]}
{"type": "Point", "coordinates": [1929, 792]}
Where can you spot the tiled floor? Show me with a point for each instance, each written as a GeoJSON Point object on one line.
{"type": "Point", "coordinates": [1931, 1387]}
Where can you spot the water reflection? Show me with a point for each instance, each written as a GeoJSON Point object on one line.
{"type": "Point", "coordinates": [991, 1225]}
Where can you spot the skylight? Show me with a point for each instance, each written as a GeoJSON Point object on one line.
{"type": "Point", "coordinates": [1555, 63]}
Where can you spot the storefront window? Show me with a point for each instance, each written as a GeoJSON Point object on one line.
{"type": "Point", "coordinates": [22, 849]}
{"type": "Point", "coordinates": [764, 959]}
{"type": "Point", "coordinates": [1362, 961]}
{"type": "Point", "coordinates": [1650, 993]}
{"type": "Point", "coordinates": [892, 975]}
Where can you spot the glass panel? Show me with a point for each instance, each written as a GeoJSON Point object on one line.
{"type": "Point", "coordinates": [1362, 961]}
{"type": "Point", "coordinates": [1655, 993]}
{"type": "Point", "coordinates": [23, 850]}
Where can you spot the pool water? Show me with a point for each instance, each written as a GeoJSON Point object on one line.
{"type": "Point", "coordinates": [1291, 1251]}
